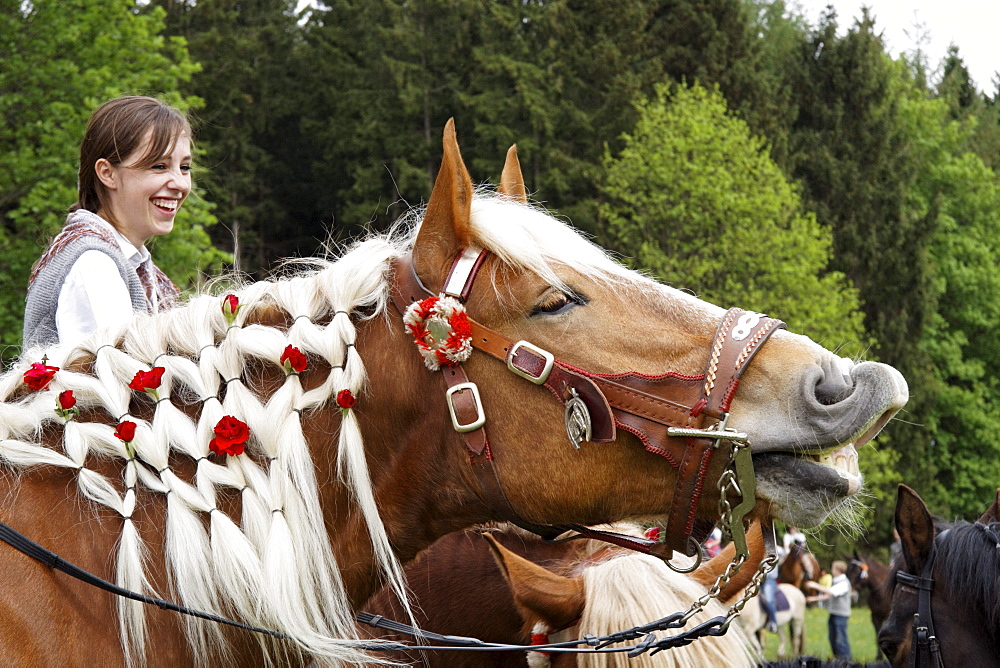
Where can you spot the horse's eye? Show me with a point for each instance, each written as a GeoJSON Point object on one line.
{"type": "Point", "coordinates": [888, 648]}
{"type": "Point", "coordinates": [556, 302]}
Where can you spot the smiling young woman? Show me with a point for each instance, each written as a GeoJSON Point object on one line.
{"type": "Point", "coordinates": [135, 173]}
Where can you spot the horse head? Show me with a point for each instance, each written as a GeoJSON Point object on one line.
{"type": "Point", "coordinates": [804, 410]}
{"type": "Point", "coordinates": [612, 589]}
{"type": "Point", "coordinates": [944, 589]}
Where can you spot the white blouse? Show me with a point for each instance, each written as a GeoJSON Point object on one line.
{"type": "Point", "coordinates": [94, 295]}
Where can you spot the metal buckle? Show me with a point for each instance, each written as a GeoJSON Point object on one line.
{"type": "Point", "coordinates": [480, 414]}
{"type": "Point", "coordinates": [544, 354]}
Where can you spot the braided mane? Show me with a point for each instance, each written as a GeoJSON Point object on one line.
{"type": "Point", "coordinates": [273, 567]}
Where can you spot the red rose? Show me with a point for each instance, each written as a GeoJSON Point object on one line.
{"type": "Point", "coordinates": [66, 400]}
{"type": "Point", "coordinates": [230, 307]}
{"type": "Point", "coordinates": [39, 375]}
{"type": "Point", "coordinates": [230, 436]}
{"type": "Point", "coordinates": [293, 360]}
{"type": "Point", "coordinates": [345, 399]}
{"type": "Point", "coordinates": [145, 381]}
{"type": "Point", "coordinates": [126, 431]}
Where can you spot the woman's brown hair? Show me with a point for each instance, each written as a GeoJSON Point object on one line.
{"type": "Point", "coordinates": [116, 129]}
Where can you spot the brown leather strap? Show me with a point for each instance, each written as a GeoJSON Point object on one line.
{"type": "Point", "coordinates": [738, 338]}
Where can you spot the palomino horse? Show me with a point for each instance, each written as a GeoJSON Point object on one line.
{"type": "Point", "coordinates": [793, 617]}
{"type": "Point", "coordinates": [799, 567]}
{"type": "Point", "coordinates": [870, 575]}
{"type": "Point", "coordinates": [551, 592]}
{"type": "Point", "coordinates": [297, 449]}
{"type": "Point", "coordinates": [945, 589]}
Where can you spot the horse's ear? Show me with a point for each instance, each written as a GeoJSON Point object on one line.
{"type": "Point", "coordinates": [447, 226]}
{"type": "Point", "coordinates": [511, 180]}
{"type": "Point", "coordinates": [709, 572]}
{"type": "Point", "coordinates": [993, 514]}
{"type": "Point", "coordinates": [916, 529]}
{"type": "Point", "coordinates": [556, 599]}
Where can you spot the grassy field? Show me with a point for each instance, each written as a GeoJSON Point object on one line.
{"type": "Point", "coordinates": [859, 630]}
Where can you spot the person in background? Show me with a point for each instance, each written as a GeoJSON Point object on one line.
{"type": "Point", "coordinates": [769, 592]}
{"type": "Point", "coordinates": [135, 173]}
{"type": "Point", "coordinates": [793, 535]}
{"type": "Point", "coordinates": [838, 598]}
{"type": "Point", "coordinates": [713, 544]}
{"type": "Point", "coordinates": [895, 548]}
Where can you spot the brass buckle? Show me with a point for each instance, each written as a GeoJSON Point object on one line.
{"type": "Point", "coordinates": [544, 354]}
{"type": "Point", "coordinates": [480, 414]}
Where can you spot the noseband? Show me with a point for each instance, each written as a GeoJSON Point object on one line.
{"type": "Point", "coordinates": [678, 416]}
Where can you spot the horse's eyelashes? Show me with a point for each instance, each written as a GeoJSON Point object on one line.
{"type": "Point", "coordinates": [558, 302]}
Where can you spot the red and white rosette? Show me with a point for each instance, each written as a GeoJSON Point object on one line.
{"type": "Point", "coordinates": [441, 330]}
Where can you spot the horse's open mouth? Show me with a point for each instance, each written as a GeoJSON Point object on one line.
{"type": "Point", "coordinates": [804, 488]}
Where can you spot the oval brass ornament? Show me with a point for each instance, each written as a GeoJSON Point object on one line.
{"type": "Point", "coordinates": [578, 426]}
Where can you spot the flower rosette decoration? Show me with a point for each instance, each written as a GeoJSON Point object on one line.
{"type": "Point", "coordinates": [148, 381]}
{"type": "Point", "coordinates": [231, 436]}
{"type": "Point", "coordinates": [346, 400]}
{"type": "Point", "coordinates": [38, 376]}
{"type": "Point", "coordinates": [230, 308]}
{"type": "Point", "coordinates": [293, 360]}
{"type": "Point", "coordinates": [441, 330]}
{"type": "Point", "coordinates": [66, 405]}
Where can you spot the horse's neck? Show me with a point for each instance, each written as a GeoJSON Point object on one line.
{"type": "Point", "coordinates": [421, 478]}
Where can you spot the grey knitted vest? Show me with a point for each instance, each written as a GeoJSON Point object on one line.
{"type": "Point", "coordinates": [43, 293]}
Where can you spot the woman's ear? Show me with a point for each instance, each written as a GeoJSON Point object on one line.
{"type": "Point", "coordinates": [106, 173]}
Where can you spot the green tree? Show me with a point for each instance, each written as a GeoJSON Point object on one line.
{"type": "Point", "coordinates": [251, 86]}
{"type": "Point", "coordinates": [58, 61]}
{"type": "Point", "coordinates": [694, 198]}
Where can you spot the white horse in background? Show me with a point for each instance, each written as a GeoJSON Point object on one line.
{"type": "Point", "coordinates": [754, 619]}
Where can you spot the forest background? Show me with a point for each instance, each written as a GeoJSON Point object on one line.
{"type": "Point", "coordinates": [727, 146]}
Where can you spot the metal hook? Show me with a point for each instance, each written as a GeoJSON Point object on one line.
{"type": "Point", "coordinates": [699, 555]}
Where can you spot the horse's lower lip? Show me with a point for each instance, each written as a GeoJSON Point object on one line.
{"type": "Point", "coordinates": [802, 490]}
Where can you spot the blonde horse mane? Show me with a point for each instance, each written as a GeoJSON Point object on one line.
{"type": "Point", "coordinates": [274, 568]}
{"type": "Point", "coordinates": [635, 589]}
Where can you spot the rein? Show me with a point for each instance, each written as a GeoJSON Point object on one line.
{"type": "Point", "coordinates": [678, 416]}
{"type": "Point", "coordinates": [716, 626]}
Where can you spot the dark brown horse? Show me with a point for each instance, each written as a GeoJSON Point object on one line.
{"type": "Point", "coordinates": [945, 589]}
{"type": "Point", "coordinates": [799, 567]}
{"type": "Point", "coordinates": [502, 585]}
{"type": "Point", "coordinates": [870, 576]}
{"type": "Point", "coordinates": [284, 497]}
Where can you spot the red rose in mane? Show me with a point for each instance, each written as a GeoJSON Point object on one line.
{"type": "Point", "coordinates": [230, 307]}
{"type": "Point", "coordinates": [345, 399]}
{"type": "Point", "coordinates": [230, 436]}
{"type": "Point", "coordinates": [147, 381]}
{"type": "Point", "coordinates": [293, 360]}
{"type": "Point", "coordinates": [39, 375]}
{"type": "Point", "coordinates": [66, 400]}
{"type": "Point", "coordinates": [126, 431]}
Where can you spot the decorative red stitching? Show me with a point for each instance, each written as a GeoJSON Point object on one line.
{"type": "Point", "coordinates": [699, 483]}
{"type": "Point", "coordinates": [649, 446]}
{"type": "Point", "coordinates": [727, 398]}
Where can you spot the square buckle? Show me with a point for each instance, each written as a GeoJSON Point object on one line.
{"type": "Point", "coordinates": [480, 414]}
{"type": "Point", "coordinates": [544, 354]}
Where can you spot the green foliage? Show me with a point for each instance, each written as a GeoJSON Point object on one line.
{"type": "Point", "coordinates": [694, 199]}
{"type": "Point", "coordinates": [59, 61]}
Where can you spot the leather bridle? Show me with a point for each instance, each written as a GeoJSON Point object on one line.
{"type": "Point", "coordinates": [680, 417]}
{"type": "Point", "coordinates": [925, 648]}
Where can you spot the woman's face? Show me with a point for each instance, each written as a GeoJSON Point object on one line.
{"type": "Point", "coordinates": [142, 202]}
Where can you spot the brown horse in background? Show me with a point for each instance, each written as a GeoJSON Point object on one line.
{"type": "Point", "coordinates": [503, 585]}
{"type": "Point", "coordinates": [871, 576]}
{"type": "Point", "coordinates": [799, 567]}
{"type": "Point", "coordinates": [351, 467]}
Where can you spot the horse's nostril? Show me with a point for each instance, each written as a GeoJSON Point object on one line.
{"type": "Point", "coordinates": [834, 385]}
